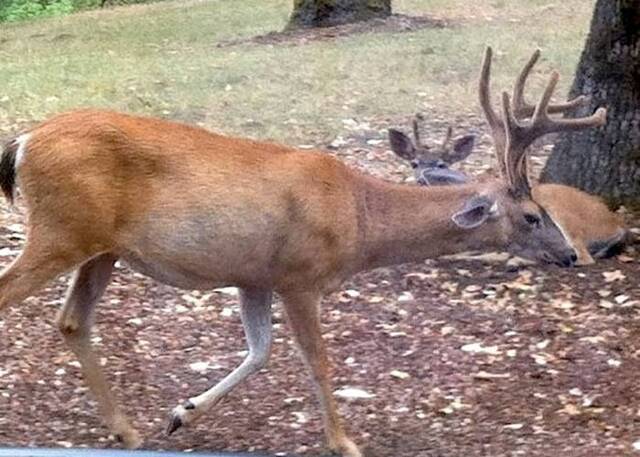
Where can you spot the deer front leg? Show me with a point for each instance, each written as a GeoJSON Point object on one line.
{"type": "Point", "coordinates": [255, 310]}
{"type": "Point", "coordinates": [303, 313]}
{"type": "Point", "coordinates": [74, 321]}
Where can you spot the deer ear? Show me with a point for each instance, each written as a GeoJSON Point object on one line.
{"type": "Point", "coordinates": [475, 212]}
{"type": "Point", "coordinates": [462, 147]}
{"type": "Point", "coordinates": [401, 144]}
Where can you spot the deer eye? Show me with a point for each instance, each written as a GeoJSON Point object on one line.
{"type": "Point", "coordinates": [414, 164]}
{"type": "Point", "coordinates": [532, 219]}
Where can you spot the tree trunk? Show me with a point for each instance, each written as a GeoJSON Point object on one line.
{"type": "Point", "coordinates": [325, 13]}
{"type": "Point", "coordinates": [606, 161]}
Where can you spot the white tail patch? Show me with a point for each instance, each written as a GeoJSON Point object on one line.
{"type": "Point", "coordinates": [21, 141]}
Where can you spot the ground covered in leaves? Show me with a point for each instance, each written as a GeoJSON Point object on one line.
{"type": "Point", "coordinates": [451, 357]}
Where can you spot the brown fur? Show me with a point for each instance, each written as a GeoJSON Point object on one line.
{"type": "Point", "coordinates": [584, 218]}
{"type": "Point", "coordinates": [518, 125]}
{"type": "Point", "coordinates": [200, 210]}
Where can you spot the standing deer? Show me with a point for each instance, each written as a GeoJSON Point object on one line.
{"type": "Point", "coordinates": [199, 210]}
{"type": "Point", "coordinates": [589, 226]}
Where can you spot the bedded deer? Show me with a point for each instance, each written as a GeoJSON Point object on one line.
{"type": "Point", "coordinates": [589, 226]}
{"type": "Point", "coordinates": [198, 210]}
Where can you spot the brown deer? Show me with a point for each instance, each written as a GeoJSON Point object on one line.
{"type": "Point", "coordinates": [199, 210]}
{"type": "Point", "coordinates": [590, 227]}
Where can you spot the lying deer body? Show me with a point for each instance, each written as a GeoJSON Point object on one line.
{"type": "Point", "coordinates": [199, 210]}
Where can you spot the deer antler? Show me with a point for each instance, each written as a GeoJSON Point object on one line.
{"type": "Point", "coordinates": [447, 139]}
{"type": "Point", "coordinates": [523, 109]}
{"type": "Point", "coordinates": [446, 143]}
{"type": "Point", "coordinates": [416, 128]}
{"type": "Point", "coordinates": [495, 123]}
{"type": "Point", "coordinates": [511, 136]}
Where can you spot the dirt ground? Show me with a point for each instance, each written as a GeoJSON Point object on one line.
{"type": "Point", "coordinates": [394, 23]}
{"type": "Point", "coordinates": [457, 357]}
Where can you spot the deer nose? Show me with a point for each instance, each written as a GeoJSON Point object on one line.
{"type": "Point", "coordinates": [570, 259]}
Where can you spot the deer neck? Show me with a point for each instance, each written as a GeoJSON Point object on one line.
{"type": "Point", "coordinates": [403, 223]}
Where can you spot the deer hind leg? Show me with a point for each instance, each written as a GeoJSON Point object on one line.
{"type": "Point", "coordinates": [74, 321]}
{"type": "Point", "coordinates": [39, 263]}
{"type": "Point", "coordinates": [303, 313]}
{"type": "Point", "coordinates": [255, 310]}
{"type": "Point", "coordinates": [602, 249]}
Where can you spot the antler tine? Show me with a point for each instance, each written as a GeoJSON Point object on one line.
{"type": "Point", "coordinates": [523, 109]}
{"type": "Point", "coordinates": [520, 106]}
{"type": "Point", "coordinates": [494, 121]}
{"type": "Point", "coordinates": [484, 90]}
{"type": "Point", "coordinates": [541, 108]}
{"type": "Point", "coordinates": [516, 173]}
{"type": "Point", "coordinates": [416, 128]}
{"type": "Point", "coordinates": [597, 119]}
{"type": "Point", "coordinates": [447, 138]}
{"type": "Point", "coordinates": [542, 124]}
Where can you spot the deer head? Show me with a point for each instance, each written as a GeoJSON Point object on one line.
{"type": "Point", "coordinates": [431, 164]}
{"type": "Point", "coordinates": [533, 233]}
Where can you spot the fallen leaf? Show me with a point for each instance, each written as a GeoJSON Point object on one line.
{"type": "Point", "coordinates": [478, 348]}
{"type": "Point", "coordinates": [489, 376]}
{"type": "Point", "coordinates": [352, 393]}
{"type": "Point", "coordinates": [399, 374]}
{"type": "Point", "coordinates": [513, 426]}
{"type": "Point", "coordinates": [616, 275]}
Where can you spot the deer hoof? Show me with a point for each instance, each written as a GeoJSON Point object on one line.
{"type": "Point", "coordinates": [130, 439]}
{"type": "Point", "coordinates": [181, 415]}
{"type": "Point", "coordinates": [175, 422]}
{"type": "Point", "coordinates": [345, 448]}
{"type": "Point", "coordinates": [124, 433]}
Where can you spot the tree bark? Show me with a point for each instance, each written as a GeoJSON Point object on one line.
{"type": "Point", "coordinates": [325, 13]}
{"type": "Point", "coordinates": [606, 161]}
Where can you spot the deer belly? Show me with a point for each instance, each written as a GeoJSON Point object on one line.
{"type": "Point", "coordinates": [170, 273]}
{"type": "Point", "coordinates": [201, 262]}
{"type": "Point", "coordinates": [201, 250]}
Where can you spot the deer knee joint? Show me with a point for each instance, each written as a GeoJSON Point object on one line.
{"type": "Point", "coordinates": [69, 327]}
{"type": "Point", "coordinates": [258, 358]}
{"type": "Point", "coordinates": [258, 361]}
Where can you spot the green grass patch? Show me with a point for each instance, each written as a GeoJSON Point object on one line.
{"type": "Point", "coordinates": [163, 59]}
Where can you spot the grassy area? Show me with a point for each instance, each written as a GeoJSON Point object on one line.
{"type": "Point", "coordinates": [162, 59]}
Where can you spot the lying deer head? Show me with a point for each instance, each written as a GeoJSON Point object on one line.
{"type": "Point", "coordinates": [431, 165]}
{"type": "Point", "coordinates": [535, 234]}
